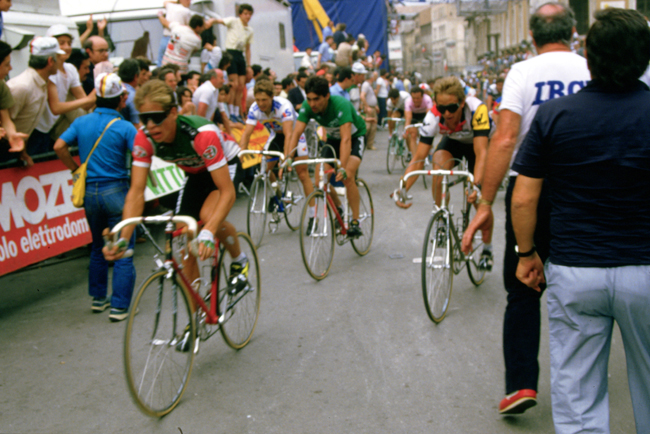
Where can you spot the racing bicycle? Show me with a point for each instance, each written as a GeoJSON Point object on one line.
{"type": "Point", "coordinates": [171, 315]}
{"type": "Point", "coordinates": [283, 197]}
{"type": "Point", "coordinates": [441, 252]}
{"type": "Point", "coordinates": [329, 225]}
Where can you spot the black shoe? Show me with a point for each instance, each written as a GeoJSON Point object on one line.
{"type": "Point", "coordinates": [487, 261]}
{"type": "Point", "coordinates": [354, 231]}
{"type": "Point", "coordinates": [312, 226]}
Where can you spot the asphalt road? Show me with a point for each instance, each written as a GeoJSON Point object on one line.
{"type": "Point", "coordinates": [355, 353]}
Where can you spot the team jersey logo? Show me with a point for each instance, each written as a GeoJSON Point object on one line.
{"type": "Point", "coordinates": [210, 153]}
{"type": "Point", "coordinates": [340, 114]}
{"type": "Point", "coordinates": [139, 152]}
{"type": "Point", "coordinates": [287, 113]}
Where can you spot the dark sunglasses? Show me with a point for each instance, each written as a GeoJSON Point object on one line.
{"type": "Point", "coordinates": [155, 117]}
{"type": "Point", "coordinates": [451, 108]}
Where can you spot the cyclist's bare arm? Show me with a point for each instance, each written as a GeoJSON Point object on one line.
{"type": "Point", "coordinates": [408, 117]}
{"type": "Point", "coordinates": [133, 207]}
{"type": "Point", "coordinates": [287, 130]}
{"type": "Point", "coordinates": [346, 144]}
{"type": "Point", "coordinates": [298, 129]}
{"type": "Point", "coordinates": [246, 136]}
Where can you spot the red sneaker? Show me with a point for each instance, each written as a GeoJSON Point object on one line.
{"type": "Point", "coordinates": [518, 402]}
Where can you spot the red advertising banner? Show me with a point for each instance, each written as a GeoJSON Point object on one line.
{"type": "Point", "coordinates": [37, 217]}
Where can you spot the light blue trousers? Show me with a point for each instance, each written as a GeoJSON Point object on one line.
{"type": "Point", "coordinates": [583, 304]}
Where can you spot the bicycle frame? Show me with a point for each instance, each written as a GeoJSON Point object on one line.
{"type": "Point", "coordinates": [323, 184]}
{"type": "Point", "coordinates": [170, 264]}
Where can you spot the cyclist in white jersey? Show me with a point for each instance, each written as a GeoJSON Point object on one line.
{"type": "Point", "coordinates": [278, 116]}
{"type": "Point", "coordinates": [415, 109]}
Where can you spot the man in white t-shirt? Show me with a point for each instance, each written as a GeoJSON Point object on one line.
{"type": "Point", "coordinates": [382, 86]}
{"type": "Point", "coordinates": [238, 44]}
{"type": "Point", "coordinates": [555, 72]}
{"type": "Point", "coordinates": [206, 97]}
{"type": "Point", "coordinates": [174, 13]}
{"type": "Point", "coordinates": [184, 41]}
{"type": "Point", "coordinates": [369, 104]}
{"type": "Point", "coordinates": [65, 81]}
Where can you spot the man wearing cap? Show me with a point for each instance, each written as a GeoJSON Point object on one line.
{"type": "Point", "coordinates": [106, 187]}
{"type": "Point", "coordinates": [59, 85]}
{"type": "Point", "coordinates": [97, 49]}
{"type": "Point", "coordinates": [358, 76]}
{"type": "Point", "coordinates": [29, 89]}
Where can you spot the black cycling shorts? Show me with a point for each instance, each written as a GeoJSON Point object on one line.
{"type": "Point", "coordinates": [358, 146]}
{"type": "Point", "coordinates": [418, 117]}
{"type": "Point", "coordinates": [459, 150]}
{"type": "Point", "coordinates": [195, 190]}
{"type": "Point", "coordinates": [238, 64]}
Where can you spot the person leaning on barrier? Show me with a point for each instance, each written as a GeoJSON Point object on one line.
{"type": "Point", "coordinates": [29, 89]}
{"type": "Point", "coordinates": [15, 141]}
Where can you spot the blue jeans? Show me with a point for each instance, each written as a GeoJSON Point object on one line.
{"type": "Point", "coordinates": [161, 49]}
{"type": "Point", "coordinates": [104, 202]}
{"type": "Point", "coordinates": [583, 304]}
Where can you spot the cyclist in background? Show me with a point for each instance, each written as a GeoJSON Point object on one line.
{"type": "Point", "coordinates": [278, 116]}
{"type": "Point", "coordinates": [465, 126]}
{"type": "Point", "coordinates": [346, 132]}
{"type": "Point", "coordinates": [195, 145]}
{"type": "Point", "coordinates": [416, 107]}
{"type": "Point", "coordinates": [395, 106]}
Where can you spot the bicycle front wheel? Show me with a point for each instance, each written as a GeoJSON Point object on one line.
{"type": "Point", "coordinates": [317, 236]}
{"type": "Point", "coordinates": [437, 266]}
{"type": "Point", "coordinates": [391, 154]}
{"type": "Point", "coordinates": [159, 344]}
{"type": "Point", "coordinates": [293, 198]}
{"type": "Point", "coordinates": [257, 203]}
{"type": "Point", "coordinates": [239, 305]}
{"type": "Point", "coordinates": [361, 245]}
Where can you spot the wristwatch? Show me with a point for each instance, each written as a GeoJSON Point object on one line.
{"type": "Point", "coordinates": [525, 254]}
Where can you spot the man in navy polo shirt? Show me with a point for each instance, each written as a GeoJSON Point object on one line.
{"type": "Point", "coordinates": [598, 269]}
{"type": "Point", "coordinates": [106, 186]}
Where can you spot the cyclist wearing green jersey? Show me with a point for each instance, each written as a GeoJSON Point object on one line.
{"type": "Point", "coordinates": [195, 145]}
{"type": "Point", "coordinates": [346, 132]}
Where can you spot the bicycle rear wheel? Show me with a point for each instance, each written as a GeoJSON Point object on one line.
{"type": "Point", "coordinates": [476, 273]}
{"type": "Point", "coordinates": [257, 211]}
{"type": "Point", "coordinates": [437, 266]}
{"type": "Point", "coordinates": [157, 368]}
{"type": "Point", "coordinates": [361, 245]}
{"type": "Point", "coordinates": [317, 246]}
{"type": "Point", "coordinates": [293, 198]}
{"type": "Point", "coordinates": [239, 306]}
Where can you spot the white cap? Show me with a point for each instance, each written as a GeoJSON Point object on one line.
{"type": "Point", "coordinates": [358, 68]}
{"type": "Point", "coordinates": [109, 85]}
{"type": "Point", "coordinates": [44, 46]}
{"type": "Point", "coordinates": [58, 30]}
{"type": "Point", "coordinates": [424, 86]}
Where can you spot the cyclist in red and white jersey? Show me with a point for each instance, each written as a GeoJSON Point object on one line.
{"type": "Point", "coordinates": [195, 145]}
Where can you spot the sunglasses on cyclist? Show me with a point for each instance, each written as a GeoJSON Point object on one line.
{"type": "Point", "coordinates": [157, 117]}
{"type": "Point", "coordinates": [451, 108]}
